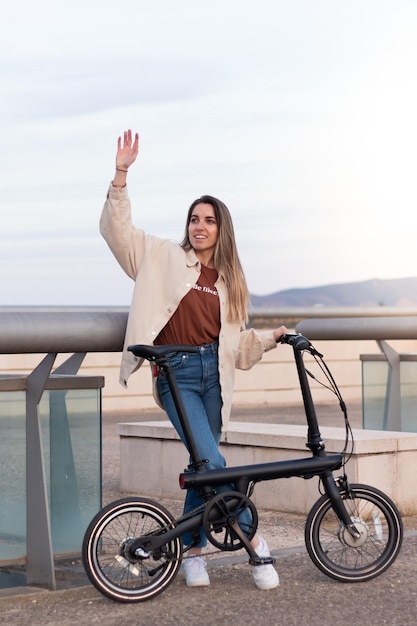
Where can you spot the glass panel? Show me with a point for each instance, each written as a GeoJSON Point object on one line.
{"type": "Point", "coordinates": [12, 475]}
{"type": "Point", "coordinates": [408, 396]}
{"type": "Point", "coordinates": [375, 381]}
{"type": "Point", "coordinates": [71, 432]}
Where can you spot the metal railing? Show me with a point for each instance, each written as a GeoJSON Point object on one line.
{"type": "Point", "coordinates": [79, 330]}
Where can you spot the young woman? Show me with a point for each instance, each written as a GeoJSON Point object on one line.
{"type": "Point", "coordinates": [189, 293]}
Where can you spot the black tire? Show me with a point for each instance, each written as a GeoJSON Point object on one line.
{"type": "Point", "coordinates": [342, 557]}
{"type": "Point", "coordinates": [126, 579]}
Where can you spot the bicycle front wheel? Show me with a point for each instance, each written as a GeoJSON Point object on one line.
{"type": "Point", "coordinates": [114, 571]}
{"type": "Point", "coordinates": [354, 559]}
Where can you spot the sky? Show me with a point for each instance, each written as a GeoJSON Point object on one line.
{"type": "Point", "coordinates": [300, 116]}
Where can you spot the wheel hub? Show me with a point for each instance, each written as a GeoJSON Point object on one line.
{"type": "Point", "coordinates": [354, 541]}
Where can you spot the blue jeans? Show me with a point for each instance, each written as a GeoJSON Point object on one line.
{"type": "Point", "coordinates": [197, 377]}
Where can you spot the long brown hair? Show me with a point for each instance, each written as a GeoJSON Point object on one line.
{"type": "Point", "coordinates": [226, 259]}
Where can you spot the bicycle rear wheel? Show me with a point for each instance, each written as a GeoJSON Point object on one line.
{"type": "Point", "coordinates": [109, 565]}
{"type": "Point", "coordinates": [340, 555]}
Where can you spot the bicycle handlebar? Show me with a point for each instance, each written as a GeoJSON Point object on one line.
{"type": "Point", "coordinates": [298, 342]}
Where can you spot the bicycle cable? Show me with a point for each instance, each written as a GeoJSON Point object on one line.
{"type": "Point", "coordinates": [333, 388]}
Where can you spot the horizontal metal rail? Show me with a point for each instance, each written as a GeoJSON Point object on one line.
{"type": "Point", "coordinates": [61, 331]}
{"type": "Point", "coordinates": [359, 328]}
{"type": "Point", "coordinates": [29, 330]}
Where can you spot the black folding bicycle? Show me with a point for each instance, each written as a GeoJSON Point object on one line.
{"type": "Point", "coordinates": [133, 548]}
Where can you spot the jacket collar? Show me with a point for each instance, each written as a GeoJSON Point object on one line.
{"type": "Point", "coordinates": [192, 261]}
{"type": "Point", "coordinates": [191, 258]}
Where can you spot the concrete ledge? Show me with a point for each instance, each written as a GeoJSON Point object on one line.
{"type": "Point", "coordinates": [152, 456]}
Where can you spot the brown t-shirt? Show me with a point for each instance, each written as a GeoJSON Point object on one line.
{"type": "Point", "coordinates": [197, 320]}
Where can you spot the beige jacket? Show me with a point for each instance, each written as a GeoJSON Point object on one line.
{"type": "Point", "coordinates": [163, 273]}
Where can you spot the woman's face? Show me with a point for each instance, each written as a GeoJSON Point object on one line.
{"type": "Point", "coordinates": [203, 231]}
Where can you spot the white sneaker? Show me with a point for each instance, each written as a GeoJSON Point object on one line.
{"type": "Point", "coordinates": [265, 576]}
{"type": "Point", "coordinates": [195, 572]}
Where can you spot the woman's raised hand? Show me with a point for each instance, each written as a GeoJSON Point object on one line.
{"type": "Point", "coordinates": [127, 151]}
{"type": "Point", "coordinates": [126, 155]}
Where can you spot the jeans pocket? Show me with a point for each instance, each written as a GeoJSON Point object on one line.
{"type": "Point", "coordinates": [177, 360]}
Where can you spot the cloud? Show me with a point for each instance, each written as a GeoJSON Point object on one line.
{"type": "Point", "coordinates": [60, 271]}
{"type": "Point", "coordinates": [43, 89]}
{"type": "Point", "coordinates": [300, 116]}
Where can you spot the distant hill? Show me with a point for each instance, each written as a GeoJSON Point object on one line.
{"type": "Point", "coordinates": [401, 292]}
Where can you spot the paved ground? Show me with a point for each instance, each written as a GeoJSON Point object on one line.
{"type": "Point", "coordinates": [304, 593]}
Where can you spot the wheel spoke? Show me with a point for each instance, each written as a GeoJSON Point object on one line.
{"type": "Point", "coordinates": [107, 559]}
{"type": "Point", "coordinates": [346, 557]}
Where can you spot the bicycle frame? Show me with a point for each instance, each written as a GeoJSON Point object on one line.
{"type": "Point", "coordinates": [320, 463]}
{"type": "Point", "coordinates": [352, 533]}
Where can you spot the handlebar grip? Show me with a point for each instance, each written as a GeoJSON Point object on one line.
{"type": "Point", "coordinates": [298, 342]}
{"type": "Point", "coordinates": [294, 339]}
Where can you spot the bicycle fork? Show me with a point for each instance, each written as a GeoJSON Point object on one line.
{"type": "Point", "coordinates": [331, 487]}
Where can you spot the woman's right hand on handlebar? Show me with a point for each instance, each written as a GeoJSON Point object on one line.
{"type": "Point", "coordinates": [279, 333]}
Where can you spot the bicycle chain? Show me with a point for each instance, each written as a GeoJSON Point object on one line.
{"type": "Point", "coordinates": [200, 509]}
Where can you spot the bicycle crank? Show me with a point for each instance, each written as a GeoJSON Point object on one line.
{"type": "Point", "coordinates": [230, 521]}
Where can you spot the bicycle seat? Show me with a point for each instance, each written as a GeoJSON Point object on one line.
{"type": "Point", "coordinates": [151, 353]}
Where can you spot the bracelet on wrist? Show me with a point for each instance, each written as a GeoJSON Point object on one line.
{"type": "Point", "coordinates": [119, 169]}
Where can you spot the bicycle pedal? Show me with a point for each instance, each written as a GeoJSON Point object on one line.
{"type": "Point", "coordinates": [262, 560]}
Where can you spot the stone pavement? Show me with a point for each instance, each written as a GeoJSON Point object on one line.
{"type": "Point", "coordinates": [304, 593]}
{"type": "Point", "coordinates": [304, 596]}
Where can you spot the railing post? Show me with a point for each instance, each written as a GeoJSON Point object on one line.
{"type": "Point", "coordinates": [392, 414]}
{"type": "Point", "coordinates": [40, 562]}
